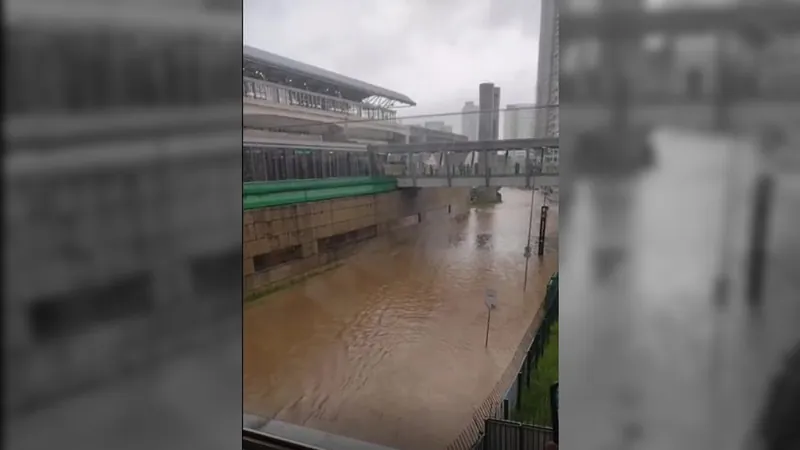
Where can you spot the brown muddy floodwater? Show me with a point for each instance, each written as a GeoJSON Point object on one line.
{"type": "Point", "coordinates": [389, 348]}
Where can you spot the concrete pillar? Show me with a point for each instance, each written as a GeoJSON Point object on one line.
{"type": "Point", "coordinates": [374, 170]}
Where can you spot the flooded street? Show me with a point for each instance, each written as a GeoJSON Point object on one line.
{"type": "Point", "coordinates": [389, 347]}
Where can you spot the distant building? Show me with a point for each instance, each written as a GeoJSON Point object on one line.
{"type": "Point", "coordinates": [469, 121]}
{"type": "Point", "coordinates": [518, 121]}
{"type": "Point", "coordinates": [424, 134]}
{"type": "Point", "coordinates": [547, 88]}
{"type": "Point", "coordinates": [439, 125]}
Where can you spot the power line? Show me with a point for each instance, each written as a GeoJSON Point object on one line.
{"type": "Point", "coordinates": [420, 116]}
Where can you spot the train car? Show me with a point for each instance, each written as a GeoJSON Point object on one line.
{"type": "Point", "coordinates": [276, 160]}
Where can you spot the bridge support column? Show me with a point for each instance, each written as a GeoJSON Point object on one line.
{"type": "Point", "coordinates": [413, 160]}
{"type": "Point", "coordinates": [528, 180]}
{"type": "Point", "coordinates": [374, 170]}
{"type": "Point", "coordinates": [485, 166]}
{"type": "Point", "coordinates": [448, 168]}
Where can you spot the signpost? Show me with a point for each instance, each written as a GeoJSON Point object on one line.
{"type": "Point", "coordinates": [491, 301]}
{"type": "Point", "coordinates": [528, 247]}
{"type": "Point", "coordinates": [542, 230]}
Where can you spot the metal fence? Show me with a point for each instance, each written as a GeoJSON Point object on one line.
{"type": "Point", "coordinates": [506, 435]}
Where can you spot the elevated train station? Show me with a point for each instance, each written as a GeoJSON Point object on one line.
{"type": "Point", "coordinates": [282, 96]}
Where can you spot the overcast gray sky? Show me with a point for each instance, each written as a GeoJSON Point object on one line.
{"type": "Point", "coordinates": [435, 51]}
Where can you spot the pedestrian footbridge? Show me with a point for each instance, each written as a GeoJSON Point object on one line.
{"type": "Point", "coordinates": [512, 163]}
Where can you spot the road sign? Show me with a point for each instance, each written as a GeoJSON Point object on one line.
{"type": "Point", "coordinates": [491, 298]}
{"type": "Point", "coordinates": [491, 302]}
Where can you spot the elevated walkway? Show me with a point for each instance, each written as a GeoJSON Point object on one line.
{"type": "Point", "coordinates": [470, 163]}
{"type": "Point", "coordinates": [521, 181]}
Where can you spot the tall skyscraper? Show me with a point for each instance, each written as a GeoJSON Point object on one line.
{"type": "Point", "coordinates": [488, 118]}
{"type": "Point", "coordinates": [469, 121]}
{"type": "Point", "coordinates": [518, 121]}
{"type": "Point", "coordinates": [547, 119]}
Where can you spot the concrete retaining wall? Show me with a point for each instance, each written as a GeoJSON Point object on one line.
{"type": "Point", "coordinates": [285, 244]}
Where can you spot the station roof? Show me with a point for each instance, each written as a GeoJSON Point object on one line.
{"type": "Point", "coordinates": [310, 71]}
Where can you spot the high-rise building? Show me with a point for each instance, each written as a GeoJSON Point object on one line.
{"type": "Point", "coordinates": [518, 121]}
{"type": "Point", "coordinates": [469, 121]}
{"type": "Point", "coordinates": [547, 121]}
{"type": "Point", "coordinates": [489, 116]}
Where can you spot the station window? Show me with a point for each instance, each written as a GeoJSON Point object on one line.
{"type": "Point", "coordinates": [277, 164]}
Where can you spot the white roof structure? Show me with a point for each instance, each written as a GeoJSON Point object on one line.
{"type": "Point", "coordinates": [308, 70]}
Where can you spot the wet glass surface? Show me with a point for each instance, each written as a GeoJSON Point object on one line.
{"type": "Point", "coordinates": [652, 357]}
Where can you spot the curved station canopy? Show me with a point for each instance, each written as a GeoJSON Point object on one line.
{"type": "Point", "coordinates": [271, 67]}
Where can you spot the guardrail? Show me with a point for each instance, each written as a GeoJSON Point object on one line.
{"type": "Point", "coordinates": [284, 95]}
{"type": "Point", "coordinates": [292, 192]}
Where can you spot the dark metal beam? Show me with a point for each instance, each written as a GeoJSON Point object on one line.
{"type": "Point", "coordinates": [636, 23]}
{"type": "Point", "coordinates": [466, 146]}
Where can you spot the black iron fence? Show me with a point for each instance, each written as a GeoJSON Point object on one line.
{"type": "Point", "coordinates": [507, 435]}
